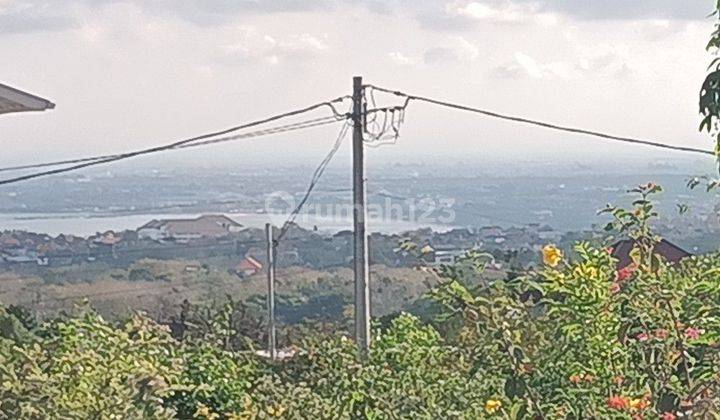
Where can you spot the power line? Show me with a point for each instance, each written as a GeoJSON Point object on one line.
{"type": "Point", "coordinates": [279, 129]}
{"type": "Point", "coordinates": [541, 123]}
{"type": "Point", "coordinates": [313, 182]}
{"type": "Point", "coordinates": [178, 144]}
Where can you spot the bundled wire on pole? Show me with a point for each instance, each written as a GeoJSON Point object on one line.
{"type": "Point", "coordinates": [388, 132]}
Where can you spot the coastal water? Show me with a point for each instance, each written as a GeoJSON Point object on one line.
{"type": "Point", "coordinates": [83, 224]}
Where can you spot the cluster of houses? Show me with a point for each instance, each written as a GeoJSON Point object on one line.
{"type": "Point", "coordinates": [440, 248]}
{"type": "Point", "coordinates": [181, 237]}
{"type": "Point", "coordinates": [214, 235]}
{"type": "Point", "coordinates": [210, 230]}
{"type": "Point", "coordinates": [28, 247]}
{"type": "Point", "coordinates": [157, 236]}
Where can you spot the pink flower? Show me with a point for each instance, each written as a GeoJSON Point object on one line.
{"type": "Point", "coordinates": [693, 333]}
{"type": "Point", "coordinates": [642, 337]}
{"type": "Point", "coordinates": [625, 272]}
{"type": "Point", "coordinates": [668, 416]}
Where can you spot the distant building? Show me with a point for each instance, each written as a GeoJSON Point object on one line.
{"type": "Point", "coordinates": [669, 251]}
{"type": "Point", "coordinates": [18, 255]}
{"type": "Point", "coordinates": [488, 231]}
{"type": "Point", "coordinates": [108, 238]}
{"type": "Point", "coordinates": [193, 268]}
{"type": "Point", "coordinates": [8, 241]}
{"type": "Point", "coordinates": [441, 255]}
{"type": "Point", "coordinates": [14, 100]}
{"type": "Point", "coordinates": [184, 230]}
{"type": "Point", "coordinates": [548, 234]}
{"type": "Point", "coordinates": [459, 235]}
{"type": "Point", "coordinates": [248, 266]}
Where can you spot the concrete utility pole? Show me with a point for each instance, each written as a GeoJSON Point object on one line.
{"type": "Point", "coordinates": [271, 290]}
{"type": "Point", "coordinates": [362, 289]}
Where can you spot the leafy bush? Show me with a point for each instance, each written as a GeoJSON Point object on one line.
{"type": "Point", "coordinates": [215, 379]}
{"type": "Point", "coordinates": [411, 373]}
{"type": "Point", "coordinates": [82, 367]}
{"type": "Point", "coordinates": [602, 342]}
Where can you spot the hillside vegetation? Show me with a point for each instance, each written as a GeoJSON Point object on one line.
{"type": "Point", "coordinates": [576, 339]}
{"type": "Point", "coordinates": [158, 288]}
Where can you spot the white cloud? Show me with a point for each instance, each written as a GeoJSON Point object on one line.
{"type": "Point", "coordinates": [303, 43]}
{"type": "Point", "coordinates": [455, 48]}
{"type": "Point", "coordinates": [524, 65]}
{"type": "Point", "coordinates": [657, 29]}
{"type": "Point", "coordinates": [604, 61]}
{"type": "Point", "coordinates": [528, 65]}
{"type": "Point", "coordinates": [439, 55]}
{"type": "Point", "coordinates": [482, 11]}
{"type": "Point", "coordinates": [251, 45]}
{"type": "Point", "coordinates": [502, 12]}
{"type": "Point", "coordinates": [93, 33]}
{"type": "Point", "coordinates": [36, 16]}
{"type": "Point", "coordinates": [465, 49]}
{"type": "Point", "coordinates": [402, 59]}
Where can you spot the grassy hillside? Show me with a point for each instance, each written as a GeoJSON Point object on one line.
{"type": "Point", "coordinates": [158, 288]}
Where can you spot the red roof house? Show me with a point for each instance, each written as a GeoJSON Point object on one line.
{"type": "Point", "coordinates": [248, 266]}
{"type": "Point", "coordinates": [669, 251]}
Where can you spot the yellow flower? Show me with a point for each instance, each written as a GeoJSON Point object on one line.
{"type": "Point", "coordinates": [639, 403]}
{"type": "Point", "coordinates": [204, 411]}
{"type": "Point", "coordinates": [551, 255]}
{"type": "Point", "coordinates": [491, 406]}
{"type": "Point", "coordinates": [276, 411]}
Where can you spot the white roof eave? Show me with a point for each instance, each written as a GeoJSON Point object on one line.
{"type": "Point", "coordinates": [14, 100]}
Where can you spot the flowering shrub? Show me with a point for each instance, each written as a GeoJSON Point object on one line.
{"type": "Point", "coordinates": [602, 343]}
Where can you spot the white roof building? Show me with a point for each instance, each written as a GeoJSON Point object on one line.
{"type": "Point", "coordinates": [14, 100]}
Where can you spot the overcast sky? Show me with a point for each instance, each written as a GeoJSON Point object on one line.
{"type": "Point", "coordinates": [129, 74]}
